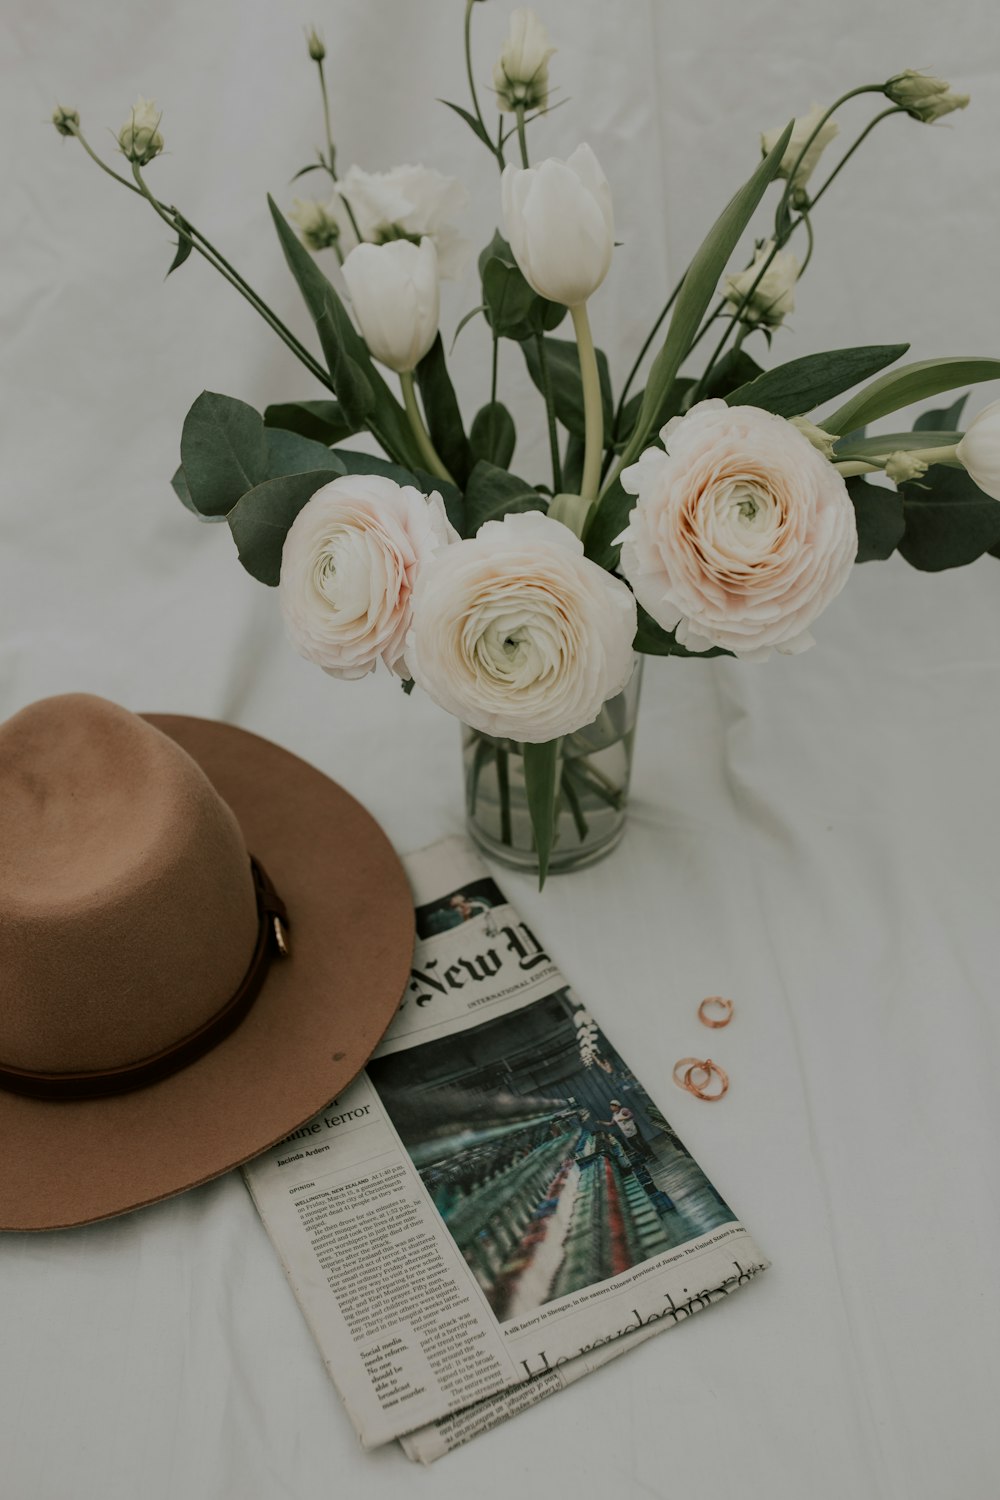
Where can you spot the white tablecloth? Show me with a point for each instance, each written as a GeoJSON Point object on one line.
{"type": "Point", "coordinates": [817, 837]}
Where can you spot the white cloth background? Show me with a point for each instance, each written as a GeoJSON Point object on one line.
{"type": "Point", "coordinates": [817, 837]}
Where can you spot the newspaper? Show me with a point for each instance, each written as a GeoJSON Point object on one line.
{"type": "Point", "coordinates": [496, 1206]}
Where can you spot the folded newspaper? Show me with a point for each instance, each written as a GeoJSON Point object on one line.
{"type": "Point", "coordinates": [496, 1206]}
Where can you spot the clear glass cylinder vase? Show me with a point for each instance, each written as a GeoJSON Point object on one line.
{"type": "Point", "coordinates": [593, 772]}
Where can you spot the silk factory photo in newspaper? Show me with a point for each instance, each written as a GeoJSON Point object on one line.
{"type": "Point", "coordinates": [549, 1163]}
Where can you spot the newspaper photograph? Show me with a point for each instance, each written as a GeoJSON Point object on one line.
{"type": "Point", "coordinates": [496, 1206]}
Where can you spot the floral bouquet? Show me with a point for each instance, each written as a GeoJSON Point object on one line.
{"type": "Point", "coordinates": [712, 512]}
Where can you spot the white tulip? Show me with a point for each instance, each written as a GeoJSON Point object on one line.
{"type": "Point", "coordinates": [407, 202]}
{"type": "Point", "coordinates": [395, 296]}
{"type": "Point", "coordinates": [521, 75]}
{"type": "Point", "coordinates": [801, 131]}
{"type": "Point", "coordinates": [139, 138]}
{"type": "Point", "coordinates": [979, 450]}
{"type": "Point", "coordinates": [559, 221]}
{"type": "Point", "coordinates": [774, 295]}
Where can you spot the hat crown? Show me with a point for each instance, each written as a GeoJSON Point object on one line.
{"type": "Point", "coordinates": [127, 908]}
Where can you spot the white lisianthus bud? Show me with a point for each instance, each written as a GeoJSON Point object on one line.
{"type": "Point", "coordinates": [824, 442]}
{"type": "Point", "coordinates": [521, 75]}
{"type": "Point", "coordinates": [395, 295]}
{"type": "Point", "coordinates": [559, 221]}
{"type": "Point", "coordinates": [406, 202]}
{"type": "Point", "coordinates": [774, 295]}
{"type": "Point", "coordinates": [349, 565]}
{"type": "Point", "coordinates": [923, 96]}
{"type": "Point", "coordinates": [316, 222]}
{"type": "Point", "coordinates": [901, 467]}
{"type": "Point", "coordinates": [66, 121]}
{"type": "Point", "coordinates": [139, 138]}
{"type": "Point", "coordinates": [518, 634]}
{"type": "Point", "coordinates": [797, 171]}
{"type": "Point", "coordinates": [317, 51]}
{"type": "Point", "coordinates": [979, 450]}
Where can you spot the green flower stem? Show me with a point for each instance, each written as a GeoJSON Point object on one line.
{"type": "Point", "coordinates": [550, 413]}
{"type": "Point", "coordinates": [897, 109]}
{"type": "Point", "coordinates": [810, 247]}
{"type": "Point", "coordinates": [428, 452]}
{"type": "Point", "coordinates": [852, 467]}
{"type": "Point", "coordinates": [171, 217]}
{"type": "Point", "coordinates": [331, 159]}
{"type": "Point", "coordinates": [642, 355]}
{"type": "Point", "coordinates": [864, 88]}
{"type": "Point", "coordinates": [947, 455]}
{"type": "Point", "coordinates": [592, 408]}
{"type": "Point", "coordinates": [498, 149]}
{"type": "Point", "coordinates": [522, 139]}
{"type": "Point", "coordinates": [503, 790]}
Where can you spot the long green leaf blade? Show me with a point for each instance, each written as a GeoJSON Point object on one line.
{"type": "Point", "coordinates": [540, 763]}
{"type": "Point", "coordinates": [899, 388]}
{"type": "Point", "coordinates": [799, 386]}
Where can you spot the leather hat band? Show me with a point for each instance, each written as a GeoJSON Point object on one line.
{"type": "Point", "coordinates": [272, 937]}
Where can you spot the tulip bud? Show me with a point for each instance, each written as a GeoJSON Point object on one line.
{"type": "Point", "coordinates": [901, 467]}
{"type": "Point", "coordinates": [316, 223]}
{"type": "Point", "coordinates": [521, 75]}
{"type": "Point", "coordinates": [824, 442]}
{"type": "Point", "coordinates": [799, 172]}
{"type": "Point", "coordinates": [139, 138]}
{"type": "Point", "coordinates": [979, 450]}
{"type": "Point", "coordinates": [774, 295]}
{"type": "Point", "coordinates": [66, 121]}
{"type": "Point", "coordinates": [394, 293]}
{"type": "Point", "coordinates": [314, 42]}
{"type": "Point", "coordinates": [923, 96]}
{"type": "Point", "coordinates": [560, 225]}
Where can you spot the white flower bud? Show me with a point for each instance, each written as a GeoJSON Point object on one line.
{"type": "Point", "coordinates": [824, 442]}
{"type": "Point", "coordinates": [317, 51]}
{"type": "Point", "coordinates": [66, 121]}
{"type": "Point", "coordinates": [316, 223]}
{"type": "Point", "coordinates": [773, 297]}
{"type": "Point", "coordinates": [901, 467]}
{"type": "Point", "coordinates": [979, 450]}
{"type": "Point", "coordinates": [139, 138]}
{"type": "Point", "coordinates": [923, 96]}
{"type": "Point", "coordinates": [799, 172]}
{"type": "Point", "coordinates": [395, 295]}
{"type": "Point", "coordinates": [521, 74]}
{"type": "Point", "coordinates": [559, 221]}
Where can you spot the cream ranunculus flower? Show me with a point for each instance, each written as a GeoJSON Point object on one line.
{"type": "Point", "coordinates": [559, 221]}
{"type": "Point", "coordinates": [521, 75]}
{"type": "Point", "coordinates": [774, 296]}
{"type": "Point", "coordinates": [979, 450]}
{"type": "Point", "coordinates": [395, 295]}
{"type": "Point", "coordinates": [742, 532]}
{"type": "Point", "coordinates": [139, 138]}
{"type": "Point", "coordinates": [348, 568]}
{"type": "Point", "coordinates": [801, 131]}
{"type": "Point", "coordinates": [519, 635]}
{"type": "Point", "coordinates": [407, 202]}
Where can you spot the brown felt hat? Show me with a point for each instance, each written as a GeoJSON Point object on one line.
{"type": "Point", "coordinates": [202, 939]}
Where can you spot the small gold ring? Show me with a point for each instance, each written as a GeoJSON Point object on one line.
{"type": "Point", "coordinates": [698, 1089]}
{"type": "Point", "coordinates": [715, 1022]}
{"type": "Point", "coordinates": [692, 1065]}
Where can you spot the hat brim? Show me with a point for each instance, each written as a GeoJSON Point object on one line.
{"type": "Point", "coordinates": [319, 1016]}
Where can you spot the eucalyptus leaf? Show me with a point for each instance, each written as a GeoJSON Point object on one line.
{"type": "Point", "coordinates": [260, 520]}
{"type": "Point", "coordinates": [801, 385]}
{"type": "Point", "coordinates": [652, 640]}
{"type": "Point", "coordinates": [540, 768]}
{"type": "Point", "coordinates": [356, 462]}
{"type": "Point", "coordinates": [563, 361]}
{"type": "Point", "coordinates": [735, 370]}
{"type": "Point", "coordinates": [512, 309]}
{"type": "Point", "coordinates": [223, 452]}
{"type": "Point", "coordinates": [944, 418]}
{"type": "Point", "coordinates": [444, 415]}
{"type": "Point", "coordinates": [291, 453]}
{"type": "Point", "coordinates": [878, 512]}
{"type": "Point", "coordinates": [899, 388]}
{"type": "Point", "coordinates": [949, 520]}
{"type": "Point", "coordinates": [179, 486]}
{"type": "Point", "coordinates": [493, 436]}
{"type": "Point", "coordinates": [323, 421]}
{"type": "Point", "coordinates": [492, 493]}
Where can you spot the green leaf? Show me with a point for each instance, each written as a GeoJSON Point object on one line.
{"type": "Point", "coordinates": [470, 120]}
{"type": "Point", "coordinates": [444, 415]}
{"type": "Point", "coordinates": [943, 419]}
{"type": "Point", "coordinates": [223, 452]}
{"type": "Point", "coordinates": [364, 396]}
{"type": "Point", "coordinates": [928, 377]}
{"type": "Point", "coordinates": [513, 310]}
{"type": "Point", "coordinates": [699, 288]}
{"type": "Point", "coordinates": [563, 360]}
{"type": "Point", "coordinates": [949, 520]}
{"type": "Point", "coordinates": [895, 442]}
{"type": "Point", "coordinates": [734, 371]}
{"type": "Point", "coordinates": [493, 436]}
{"type": "Point", "coordinates": [878, 512]}
{"type": "Point", "coordinates": [260, 520]}
{"type": "Point", "coordinates": [356, 462]}
{"type": "Point", "coordinates": [803, 384]}
{"type": "Point", "coordinates": [185, 244]}
{"type": "Point", "coordinates": [323, 421]}
{"type": "Point", "coordinates": [540, 763]}
{"type": "Point", "coordinates": [492, 493]}
{"type": "Point", "coordinates": [468, 317]}
{"type": "Point", "coordinates": [652, 640]}
{"type": "Point", "coordinates": [572, 464]}
{"type": "Point", "coordinates": [290, 453]}
{"type": "Point", "coordinates": [626, 422]}
{"type": "Point", "coordinates": [179, 486]}
{"type": "Point", "coordinates": [607, 522]}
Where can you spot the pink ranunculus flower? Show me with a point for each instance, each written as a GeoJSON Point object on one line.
{"type": "Point", "coordinates": [518, 634]}
{"type": "Point", "coordinates": [742, 532]}
{"type": "Point", "coordinates": [348, 568]}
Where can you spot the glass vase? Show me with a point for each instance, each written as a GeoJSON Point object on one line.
{"type": "Point", "coordinates": [594, 766]}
